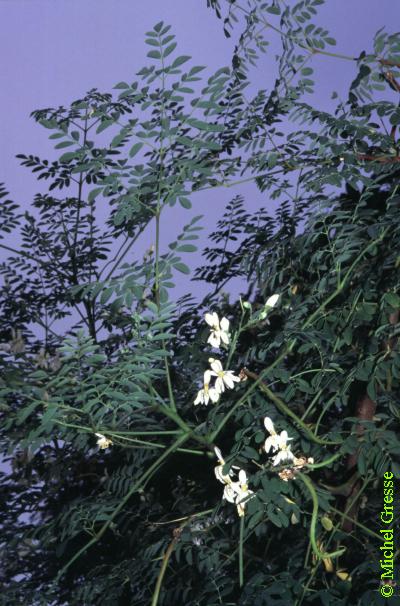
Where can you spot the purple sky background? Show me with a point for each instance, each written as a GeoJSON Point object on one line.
{"type": "Point", "coordinates": [53, 51]}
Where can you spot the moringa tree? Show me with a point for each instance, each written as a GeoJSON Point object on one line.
{"type": "Point", "coordinates": [162, 454]}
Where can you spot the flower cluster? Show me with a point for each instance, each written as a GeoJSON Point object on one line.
{"type": "Point", "coordinates": [278, 443]}
{"type": "Point", "coordinates": [236, 492]}
{"type": "Point", "coordinates": [219, 330]}
{"type": "Point", "coordinates": [102, 441]}
{"type": "Point", "coordinates": [224, 378]}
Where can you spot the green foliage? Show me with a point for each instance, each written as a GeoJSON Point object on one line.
{"type": "Point", "coordinates": [142, 521]}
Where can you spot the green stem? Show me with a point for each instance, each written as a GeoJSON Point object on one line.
{"type": "Point", "coordinates": [235, 339]}
{"type": "Point", "coordinates": [118, 260]}
{"type": "Point", "coordinates": [174, 416]}
{"type": "Point", "coordinates": [312, 403]}
{"type": "Point", "coordinates": [24, 254]}
{"type": "Point", "coordinates": [332, 534]}
{"type": "Point", "coordinates": [157, 247]}
{"type": "Point", "coordinates": [343, 282]}
{"type": "Point", "coordinates": [92, 430]}
{"type": "Point", "coordinates": [280, 404]}
{"type": "Point", "coordinates": [191, 516]}
{"type": "Point", "coordinates": [297, 41]}
{"type": "Point", "coordinates": [170, 392]}
{"type": "Point", "coordinates": [291, 346]}
{"type": "Point", "coordinates": [356, 523]}
{"type": "Point", "coordinates": [241, 551]}
{"type": "Point", "coordinates": [146, 433]}
{"type": "Point", "coordinates": [166, 558]}
{"type": "Point", "coordinates": [314, 517]}
{"type": "Point", "coordinates": [161, 574]}
{"type": "Point", "coordinates": [252, 388]}
{"type": "Point", "coordinates": [135, 487]}
{"type": "Point", "coordinates": [154, 445]}
{"type": "Point", "coordinates": [325, 463]}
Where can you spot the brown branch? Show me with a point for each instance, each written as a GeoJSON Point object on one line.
{"type": "Point", "coordinates": [388, 62]}
{"type": "Point", "coordinates": [165, 559]}
{"type": "Point", "coordinates": [382, 159]}
{"type": "Point", "coordinates": [365, 410]}
{"type": "Point", "coordinates": [391, 80]}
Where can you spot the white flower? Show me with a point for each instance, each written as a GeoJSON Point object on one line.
{"type": "Point", "coordinates": [272, 443]}
{"type": "Point", "coordinates": [230, 492]}
{"type": "Point", "coordinates": [102, 441]}
{"type": "Point", "coordinates": [207, 393]}
{"type": "Point", "coordinates": [272, 301]}
{"type": "Point", "coordinates": [243, 494]}
{"type": "Point", "coordinates": [224, 377]}
{"type": "Point", "coordinates": [269, 304]}
{"type": "Point", "coordinates": [219, 330]}
{"type": "Point", "coordinates": [234, 492]}
{"type": "Point", "coordinates": [223, 478]}
{"type": "Point", "coordinates": [275, 441]}
{"type": "Point", "coordinates": [219, 456]}
{"type": "Point", "coordinates": [269, 426]}
{"type": "Point", "coordinates": [238, 493]}
{"type": "Point", "coordinates": [285, 454]}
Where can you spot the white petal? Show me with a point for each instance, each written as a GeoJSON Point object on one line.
{"type": "Point", "coordinates": [227, 379]}
{"type": "Point", "coordinates": [241, 501]}
{"type": "Point", "coordinates": [207, 377]}
{"type": "Point", "coordinates": [278, 458]}
{"type": "Point", "coordinates": [225, 338]}
{"type": "Point", "coordinates": [282, 439]}
{"type": "Point", "coordinates": [220, 476]}
{"type": "Point", "coordinates": [230, 379]}
{"type": "Point", "coordinates": [100, 435]}
{"type": "Point", "coordinates": [200, 397]}
{"type": "Point", "coordinates": [270, 444]}
{"type": "Point", "coordinates": [230, 492]}
{"type": "Point", "coordinates": [224, 324]}
{"type": "Point", "coordinates": [218, 454]}
{"type": "Point", "coordinates": [219, 385]}
{"type": "Point", "coordinates": [215, 365]}
{"type": "Point", "coordinates": [272, 301]}
{"type": "Point", "coordinates": [242, 477]}
{"type": "Point", "coordinates": [214, 339]}
{"type": "Point", "coordinates": [269, 426]}
{"type": "Point", "coordinates": [208, 319]}
{"type": "Point", "coordinates": [212, 319]}
{"type": "Point", "coordinates": [289, 454]}
{"type": "Point", "coordinates": [283, 455]}
{"type": "Point", "coordinates": [233, 377]}
{"type": "Point", "coordinates": [214, 395]}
